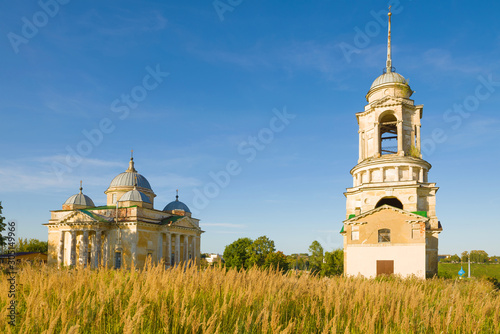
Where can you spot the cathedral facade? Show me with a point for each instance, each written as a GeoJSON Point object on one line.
{"type": "Point", "coordinates": [127, 232]}
{"type": "Point", "coordinates": [391, 225]}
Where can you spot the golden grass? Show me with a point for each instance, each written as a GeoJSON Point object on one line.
{"type": "Point", "coordinates": [253, 301]}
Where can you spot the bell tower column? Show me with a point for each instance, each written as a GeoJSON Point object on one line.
{"type": "Point", "coordinates": [400, 138]}
{"type": "Point", "coordinates": [376, 140]}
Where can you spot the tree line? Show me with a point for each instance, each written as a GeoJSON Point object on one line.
{"type": "Point", "coordinates": [476, 256]}
{"type": "Point", "coordinates": [245, 253]}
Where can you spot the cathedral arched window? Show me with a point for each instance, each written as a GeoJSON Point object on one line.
{"type": "Point", "coordinates": [384, 235]}
{"type": "Point", "coordinates": [388, 134]}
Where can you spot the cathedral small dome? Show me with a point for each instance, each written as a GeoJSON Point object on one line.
{"type": "Point", "coordinates": [389, 77]}
{"type": "Point", "coordinates": [80, 199]}
{"type": "Point", "coordinates": [135, 196]}
{"type": "Point", "coordinates": [176, 205]}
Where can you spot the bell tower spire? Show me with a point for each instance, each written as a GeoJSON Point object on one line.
{"type": "Point", "coordinates": [389, 59]}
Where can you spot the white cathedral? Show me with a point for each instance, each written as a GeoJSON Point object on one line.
{"type": "Point", "coordinates": [391, 225]}
{"type": "Point", "coordinates": [127, 231]}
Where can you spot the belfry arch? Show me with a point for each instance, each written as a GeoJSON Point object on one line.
{"type": "Point", "coordinates": [388, 134]}
{"type": "Point", "coordinates": [392, 201]}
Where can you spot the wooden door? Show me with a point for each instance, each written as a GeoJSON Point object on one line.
{"type": "Point", "coordinates": [385, 267]}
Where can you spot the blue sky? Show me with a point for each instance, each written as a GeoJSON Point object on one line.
{"type": "Point", "coordinates": [220, 78]}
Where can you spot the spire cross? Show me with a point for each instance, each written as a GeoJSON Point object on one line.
{"type": "Point", "coordinates": [389, 60]}
{"type": "Point", "coordinates": [177, 195]}
{"type": "Point", "coordinates": [81, 186]}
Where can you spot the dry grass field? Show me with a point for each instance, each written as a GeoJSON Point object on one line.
{"type": "Point", "coordinates": [253, 301]}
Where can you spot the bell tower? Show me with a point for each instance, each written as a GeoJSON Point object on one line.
{"type": "Point", "coordinates": [390, 167]}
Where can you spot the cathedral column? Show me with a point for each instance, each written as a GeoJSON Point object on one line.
{"type": "Point", "coordinates": [84, 248]}
{"type": "Point", "coordinates": [400, 137]}
{"type": "Point", "coordinates": [382, 179]}
{"type": "Point", "coordinates": [177, 248]}
{"type": "Point", "coordinates": [97, 249]}
{"type": "Point", "coordinates": [160, 247]}
{"type": "Point", "coordinates": [410, 172]}
{"type": "Point", "coordinates": [421, 175]}
{"type": "Point", "coordinates": [105, 250]}
{"type": "Point", "coordinates": [186, 249]}
{"type": "Point", "coordinates": [195, 251]}
{"type": "Point", "coordinates": [168, 252]}
{"type": "Point", "coordinates": [397, 173]}
{"type": "Point", "coordinates": [60, 254]}
{"type": "Point", "coordinates": [72, 257]}
{"type": "Point", "coordinates": [133, 250]}
{"type": "Point", "coordinates": [92, 249]}
{"type": "Point", "coordinates": [376, 140]}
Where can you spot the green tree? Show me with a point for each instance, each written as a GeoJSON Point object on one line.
{"type": "Point", "coordinates": [445, 260]}
{"type": "Point", "coordinates": [465, 256]}
{"type": "Point", "coordinates": [455, 258]}
{"type": "Point", "coordinates": [259, 250]}
{"type": "Point", "coordinates": [3, 242]}
{"type": "Point", "coordinates": [236, 254]}
{"type": "Point", "coordinates": [333, 263]}
{"type": "Point", "coordinates": [276, 260]}
{"type": "Point", "coordinates": [32, 245]}
{"type": "Point", "coordinates": [316, 257]}
{"type": "Point", "coordinates": [478, 256]}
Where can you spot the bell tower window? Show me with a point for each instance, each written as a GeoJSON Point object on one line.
{"type": "Point", "coordinates": [384, 235]}
{"type": "Point", "coordinates": [392, 201]}
{"type": "Point", "coordinates": [388, 135]}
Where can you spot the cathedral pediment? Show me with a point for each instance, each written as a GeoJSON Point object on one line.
{"type": "Point", "coordinates": [84, 217]}
{"type": "Point", "coordinates": [180, 221]}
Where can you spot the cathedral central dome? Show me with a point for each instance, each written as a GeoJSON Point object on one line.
{"type": "Point", "coordinates": [129, 178]}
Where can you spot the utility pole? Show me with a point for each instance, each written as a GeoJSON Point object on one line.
{"type": "Point", "coordinates": [469, 266]}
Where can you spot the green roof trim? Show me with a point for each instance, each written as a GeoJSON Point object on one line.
{"type": "Point", "coordinates": [105, 207]}
{"type": "Point", "coordinates": [342, 230]}
{"type": "Point", "coordinates": [170, 220]}
{"type": "Point", "coordinates": [94, 216]}
{"type": "Point", "coordinates": [421, 213]}
{"type": "Point", "coordinates": [102, 207]}
{"type": "Point", "coordinates": [352, 215]}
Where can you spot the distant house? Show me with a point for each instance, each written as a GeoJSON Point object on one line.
{"type": "Point", "coordinates": [25, 256]}
{"type": "Point", "coordinates": [214, 258]}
